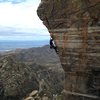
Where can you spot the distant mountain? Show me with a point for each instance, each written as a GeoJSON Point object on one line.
{"type": "Point", "coordinates": [24, 70]}
{"type": "Point", "coordinates": [40, 55]}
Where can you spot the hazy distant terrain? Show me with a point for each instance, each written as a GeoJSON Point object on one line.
{"type": "Point", "coordinates": [12, 45]}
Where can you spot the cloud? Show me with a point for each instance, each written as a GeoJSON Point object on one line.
{"type": "Point", "coordinates": [19, 17]}
{"type": "Point", "coordinates": [26, 36]}
{"type": "Point", "coordinates": [13, 1]}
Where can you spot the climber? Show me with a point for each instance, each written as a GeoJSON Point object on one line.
{"type": "Point", "coordinates": [53, 45]}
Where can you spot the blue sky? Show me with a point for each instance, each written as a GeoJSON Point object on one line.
{"type": "Point", "coordinates": [19, 21]}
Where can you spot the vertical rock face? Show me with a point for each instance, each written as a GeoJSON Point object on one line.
{"type": "Point", "coordinates": [75, 27]}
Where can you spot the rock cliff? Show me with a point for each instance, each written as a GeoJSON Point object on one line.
{"type": "Point", "coordinates": [75, 27]}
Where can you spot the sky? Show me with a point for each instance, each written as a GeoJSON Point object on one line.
{"type": "Point", "coordinates": [19, 21]}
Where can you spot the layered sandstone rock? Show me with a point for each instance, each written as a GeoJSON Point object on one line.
{"type": "Point", "coordinates": [75, 27]}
